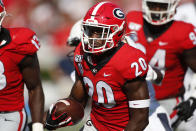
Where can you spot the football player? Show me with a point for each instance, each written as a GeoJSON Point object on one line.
{"type": "Point", "coordinates": [186, 11]}
{"type": "Point", "coordinates": [110, 72]}
{"type": "Point", "coordinates": [18, 66]}
{"type": "Point", "coordinates": [158, 116]}
{"type": "Point", "coordinates": [170, 47]}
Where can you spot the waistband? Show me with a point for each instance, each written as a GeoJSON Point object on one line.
{"type": "Point", "coordinates": [4, 112]}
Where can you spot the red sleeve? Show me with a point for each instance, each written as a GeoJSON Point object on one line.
{"type": "Point", "coordinates": [24, 41]}
{"type": "Point", "coordinates": [132, 65]}
{"type": "Point", "coordinates": [189, 35]}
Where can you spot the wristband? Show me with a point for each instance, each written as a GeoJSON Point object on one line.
{"type": "Point", "coordinates": [139, 103]}
{"type": "Point", "coordinates": [37, 127]}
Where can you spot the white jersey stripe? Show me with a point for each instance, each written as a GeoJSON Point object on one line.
{"type": "Point", "coordinates": [96, 9]}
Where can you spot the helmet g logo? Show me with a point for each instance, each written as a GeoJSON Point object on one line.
{"type": "Point", "coordinates": [118, 13]}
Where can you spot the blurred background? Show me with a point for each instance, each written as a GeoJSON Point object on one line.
{"type": "Point", "coordinates": [52, 21]}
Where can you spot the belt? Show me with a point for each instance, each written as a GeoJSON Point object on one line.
{"type": "Point", "coordinates": [4, 112]}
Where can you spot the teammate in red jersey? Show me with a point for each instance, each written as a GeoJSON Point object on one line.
{"type": "Point", "coordinates": [18, 66]}
{"type": "Point", "coordinates": [110, 72]}
{"type": "Point", "coordinates": [170, 46]}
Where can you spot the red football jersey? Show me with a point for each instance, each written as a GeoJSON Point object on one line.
{"type": "Point", "coordinates": [15, 44]}
{"type": "Point", "coordinates": [104, 83]}
{"type": "Point", "coordinates": [164, 52]}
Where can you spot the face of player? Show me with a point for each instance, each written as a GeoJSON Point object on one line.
{"type": "Point", "coordinates": [97, 36]}
{"type": "Point", "coordinates": [157, 7]}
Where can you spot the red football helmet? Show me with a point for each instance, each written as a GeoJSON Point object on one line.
{"type": "Point", "coordinates": [102, 27]}
{"type": "Point", "coordinates": [2, 12]}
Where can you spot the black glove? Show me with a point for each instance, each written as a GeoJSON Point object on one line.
{"type": "Point", "coordinates": [53, 122]}
{"type": "Point", "coordinates": [185, 109]}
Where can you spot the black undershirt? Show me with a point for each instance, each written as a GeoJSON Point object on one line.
{"type": "Point", "coordinates": [154, 31]}
{"type": "Point", "coordinates": [4, 35]}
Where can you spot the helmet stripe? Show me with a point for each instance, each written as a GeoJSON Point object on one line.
{"type": "Point", "coordinates": [96, 9]}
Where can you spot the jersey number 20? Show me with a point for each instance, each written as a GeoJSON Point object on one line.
{"type": "Point", "coordinates": [100, 86]}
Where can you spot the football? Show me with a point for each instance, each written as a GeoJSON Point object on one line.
{"type": "Point", "coordinates": [71, 107]}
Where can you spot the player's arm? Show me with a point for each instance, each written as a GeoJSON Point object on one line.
{"type": "Point", "coordinates": [189, 58]}
{"type": "Point", "coordinates": [30, 69]}
{"type": "Point", "coordinates": [186, 108]}
{"type": "Point", "coordinates": [78, 94]}
{"type": "Point", "coordinates": [138, 98]}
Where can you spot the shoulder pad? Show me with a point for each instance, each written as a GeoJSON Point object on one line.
{"type": "Point", "coordinates": [24, 40]}
{"type": "Point", "coordinates": [130, 62]}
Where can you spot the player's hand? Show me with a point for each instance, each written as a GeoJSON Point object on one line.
{"type": "Point", "coordinates": [53, 122]}
{"type": "Point", "coordinates": [151, 74]}
{"type": "Point", "coordinates": [75, 34]}
{"type": "Point", "coordinates": [185, 109]}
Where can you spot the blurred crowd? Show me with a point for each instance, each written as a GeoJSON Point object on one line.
{"type": "Point", "coordinates": [52, 20]}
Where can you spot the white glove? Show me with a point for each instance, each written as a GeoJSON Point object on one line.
{"type": "Point", "coordinates": [75, 34]}
{"type": "Point", "coordinates": [151, 74]}
{"type": "Point", "coordinates": [37, 127]}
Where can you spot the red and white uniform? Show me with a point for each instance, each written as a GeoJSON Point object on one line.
{"type": "Point", "coordinates": [164, 52]}
{"type": "Point", "coordinates": [104, 83]}
{"type": "Point", "coordinates": [22, 42]}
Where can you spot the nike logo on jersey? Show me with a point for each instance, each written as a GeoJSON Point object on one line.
{"type": "Point", "coordinates": [106, 75]}
{"type": "Point", "coordinates": [3, 42]}
{"type": "Point", "coordinates": [162, 43]}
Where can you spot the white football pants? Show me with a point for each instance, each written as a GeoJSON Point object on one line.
{"type": "Point", "coordinates": [12, 121]}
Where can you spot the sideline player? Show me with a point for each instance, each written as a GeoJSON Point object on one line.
{"type": "Point", "coordinates": [18, 66]}
{"type": "Point", "coordinates": [170, 47]}
{"type": "Point", "coordinates": [109, 71]}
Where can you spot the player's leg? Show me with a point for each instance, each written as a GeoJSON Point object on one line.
{"type": "Point", "coordinates": [12, 121]}
{"type": "Point", "coordinates": [188, 80]}
{"type": "Point", "coordinates": [159, 121]}
{"type": "Point", "coordinates": [158, 117]}
{"type": "Point", "coordinates": [169, 105]}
